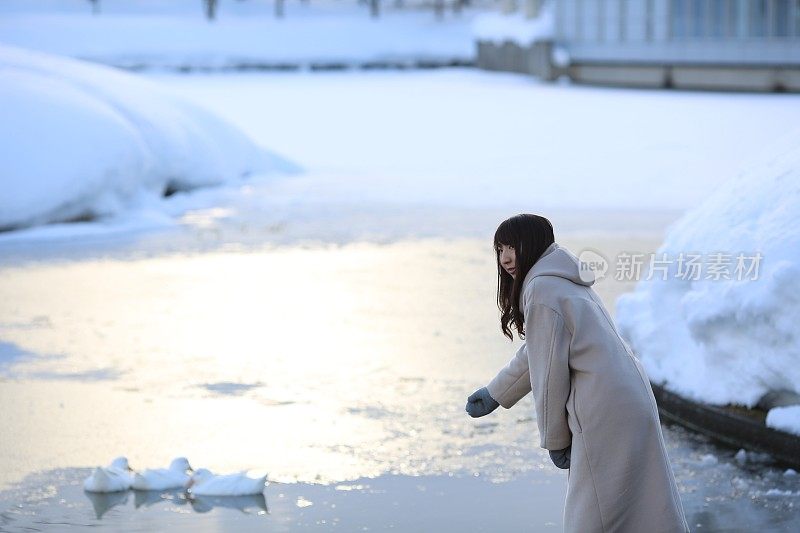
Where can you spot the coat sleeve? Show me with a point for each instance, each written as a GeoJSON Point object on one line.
{"type": "Point", "coordinates": [513, 382]}
{"type": "Point", "coordinates": [547, 341]}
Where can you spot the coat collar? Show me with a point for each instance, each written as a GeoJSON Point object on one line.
{"type": "Point", "coordinates": [558, 261]}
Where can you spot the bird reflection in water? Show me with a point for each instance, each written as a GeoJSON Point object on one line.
{"type": "Point", "coordinates": [103, 502]}
{"type": "Point", "coordinates": [246, 504]}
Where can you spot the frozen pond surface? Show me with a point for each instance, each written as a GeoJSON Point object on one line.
{"type": "Point", "coordinates": [323, 365]}
{"type": "Point", "coordinates": [327, 328]}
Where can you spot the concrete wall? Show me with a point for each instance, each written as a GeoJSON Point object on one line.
{"type": "Point", "coordinates": [512, 57]}
{"type": "Point", "coordinates": [536, 61]}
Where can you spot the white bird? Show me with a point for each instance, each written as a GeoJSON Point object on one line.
{"type": "Point", "coordinates": [206, 483]}
{"type": "Point", "coordinates": [113, 478]}
{"type": "Point", "coordinates": [173, 477]}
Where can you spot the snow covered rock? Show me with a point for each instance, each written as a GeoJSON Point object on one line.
{"type": "Point", "coordinates": [515, 27]}
{"type": "Point", "coordinates": [81, 141]}
{"type": "Point", "coordinates": [722, 340]}
{"type": "Point", "coordinates": [785, 418]}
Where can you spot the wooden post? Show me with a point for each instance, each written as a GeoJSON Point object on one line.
{"type": "Point", "coordinates": [438, 9]}
{"type": "Point", "coordinates": [211, 9]}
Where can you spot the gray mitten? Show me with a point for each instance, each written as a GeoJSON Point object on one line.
{"type": "Point", "coordinates": [561, 457]}
{"type": "Point", "coordinates": [481, 403]}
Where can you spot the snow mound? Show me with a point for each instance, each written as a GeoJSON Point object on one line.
{"type": "Point", "coordinates": [785, 418]}
{"type": "Point", "coordinates": [81, 141]}
{"type": "Point", "coordinates": [515, 27]}
{"type": "Point", "coordinates": [725, 341]}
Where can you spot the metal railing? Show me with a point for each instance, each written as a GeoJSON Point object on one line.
{"type": "Point", "coordinates": [676, 20]}
{"type": "Point", "coordinates": [685, 31]}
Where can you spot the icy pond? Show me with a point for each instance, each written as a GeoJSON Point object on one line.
{"type": "Point", "coordinates": [331, 343]}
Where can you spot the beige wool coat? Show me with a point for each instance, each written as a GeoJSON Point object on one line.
{"type": "Point", "coordinates": [592, 393]}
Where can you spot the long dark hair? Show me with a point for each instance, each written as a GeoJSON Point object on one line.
{"type": "Point", "coordinates": [530, 235]}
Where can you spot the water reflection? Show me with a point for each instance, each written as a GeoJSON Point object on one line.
{"type": "Point", "coordinates": [103, 502]}
{"type": "Point", "coordinates": [246, 504]}
{"type": "Point", "coordinates": [148, 498]}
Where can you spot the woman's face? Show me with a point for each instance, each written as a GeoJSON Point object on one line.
{"type": "Point", "coordinates": [508, 259]}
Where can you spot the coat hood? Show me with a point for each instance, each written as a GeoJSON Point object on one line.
{"type": "Point", "coordinates": [558, 261]}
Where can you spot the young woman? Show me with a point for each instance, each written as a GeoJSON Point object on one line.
{"type": "Point", "coordinates": [595, 408]}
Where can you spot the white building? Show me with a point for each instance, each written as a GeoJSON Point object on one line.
{"type": "Point", "coordinates": [711, 44]}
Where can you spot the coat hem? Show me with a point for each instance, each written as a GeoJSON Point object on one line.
{"type": "Point", "coordinates": [594, 484]}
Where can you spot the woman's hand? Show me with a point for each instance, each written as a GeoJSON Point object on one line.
{"type": "Point", "coordinates": [561, 457]}
{"type": "Point", "coordinates": [481, 403]}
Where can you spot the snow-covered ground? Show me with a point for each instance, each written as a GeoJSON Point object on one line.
{"type": "Point", "coordinates": [465, 138]}
{"type": "Point", "coordinates": [386, 142]}
{"type": "Point", "coordinates": [176, 34]}
{"type": "Point", "coordinates": [85, 141]}
{"type": "Point", "coordinates": [731, 340]}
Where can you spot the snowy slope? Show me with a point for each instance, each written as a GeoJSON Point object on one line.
{"type": "Point", "coordinates": [721, 341]}
{"type": "Point", "coordinates": [81, 141]}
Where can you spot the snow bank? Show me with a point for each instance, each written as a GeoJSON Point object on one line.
{"type": "Point", "coordinates": [81, 141]}
{"type": "Point", "coordinates": [173, 34]}
{"type": "Point", "coordinates": [499, 28]}
{"type": "Point", "coordinates": [729, 341]}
